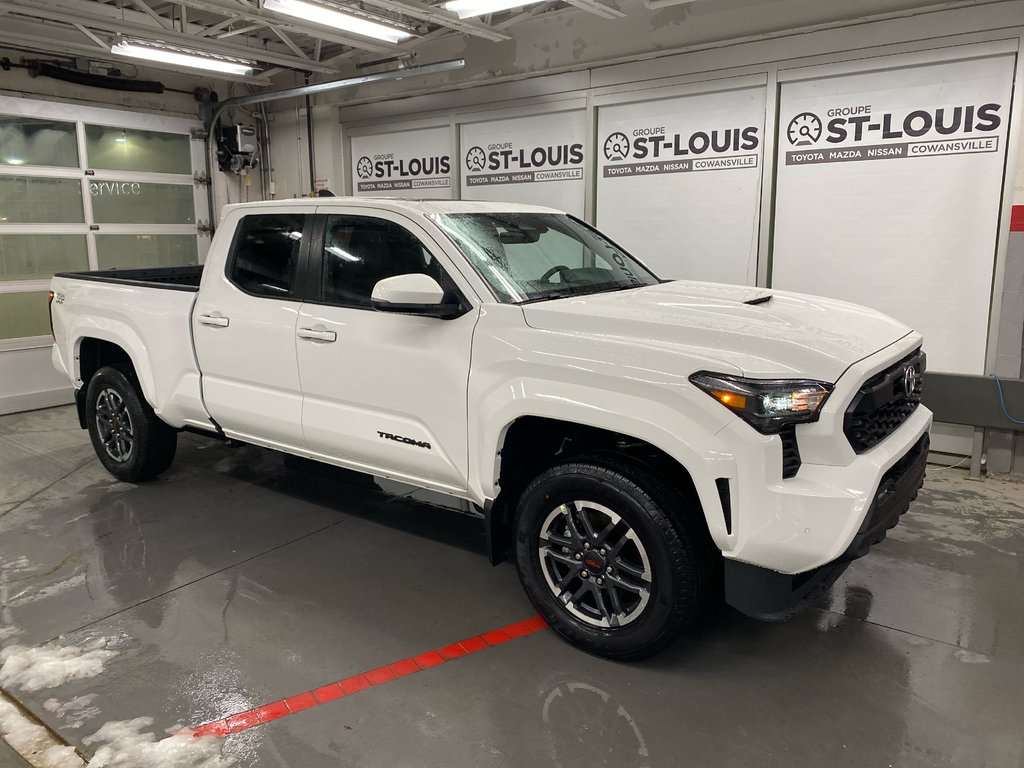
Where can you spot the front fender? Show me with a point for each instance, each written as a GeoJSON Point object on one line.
{"type": "Point", "coordinates": [690, 441]}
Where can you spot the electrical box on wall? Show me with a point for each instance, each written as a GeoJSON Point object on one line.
{"type": "Point", "coordinates": [246, 139]}
{"type": "Point", "coordinates": [236, 148]}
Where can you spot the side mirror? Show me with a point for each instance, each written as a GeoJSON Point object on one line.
{"type": "Point", "coordinates": [413, 294]}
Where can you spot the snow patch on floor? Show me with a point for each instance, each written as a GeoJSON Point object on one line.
{"type": "Point", "coordinates": [51, 665]}
{"type": "Point", "coordinates": [33, 742]}
{"type": "Point", "coordinates": [18, 565]}
{"type": "Point", "coordinates": [75, 712]}
{"type": "Point", "coordinates": [128, 744]}
{"type": "Point", "coordinates": [32, 595]}
{"type": "Point", "coordinates": [970, 657]}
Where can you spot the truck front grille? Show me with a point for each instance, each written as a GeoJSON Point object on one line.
{"type": "Point", "coordinates": [884, 402]}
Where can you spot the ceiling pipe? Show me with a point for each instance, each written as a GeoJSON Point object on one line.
{"type": "Point", "coordinates": [305, 91]}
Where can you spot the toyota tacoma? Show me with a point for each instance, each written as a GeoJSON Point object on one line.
{"type": "Point", "coordinates": [642, 447]}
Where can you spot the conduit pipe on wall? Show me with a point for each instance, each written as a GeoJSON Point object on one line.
{"type": "Point", "coordinates": [655, 5]}
{"type": "Point", "coordinates": [305, 91]}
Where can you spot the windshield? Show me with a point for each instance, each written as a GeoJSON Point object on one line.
{"type": "Point", "coordinates": [536, 256]}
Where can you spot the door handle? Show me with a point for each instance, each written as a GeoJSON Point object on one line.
{"type": "Point", "coordinates": [313, 335]}
{"type": "Point", "coordinates": [214, 320]}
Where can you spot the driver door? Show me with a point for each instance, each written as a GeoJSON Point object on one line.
{"type": "Point", "coordinates": [383, 393]}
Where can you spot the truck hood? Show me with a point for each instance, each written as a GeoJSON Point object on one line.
{"type": "Point", "coordinates": [789, 336]}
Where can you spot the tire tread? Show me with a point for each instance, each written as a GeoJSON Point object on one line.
{"type": "Point", "coordinates": [687, 542]}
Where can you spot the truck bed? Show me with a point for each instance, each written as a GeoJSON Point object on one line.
{"type": "Point", "coordinates": [170, 278]}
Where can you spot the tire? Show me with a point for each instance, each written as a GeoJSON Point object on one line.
{"type": "Point", "coordinates": [130, 440]}
{"type": "Point", "coordinates": [671, 546]}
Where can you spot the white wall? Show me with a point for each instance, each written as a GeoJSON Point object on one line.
{"type": "Point", "coordinates": [289, 152]}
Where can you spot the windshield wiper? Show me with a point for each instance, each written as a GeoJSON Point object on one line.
{"type": "Point", "coordinates": [551, 295]}
{"type": "Point", "coordinates": [582, 291]}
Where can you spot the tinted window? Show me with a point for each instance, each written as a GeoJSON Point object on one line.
{"type": "Point", "coordinates": [267, 254]}
{"type": "Point", "coordinates": [360, 251]}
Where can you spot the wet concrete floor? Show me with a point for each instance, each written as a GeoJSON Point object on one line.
{"type": "Point", "coordinates": [236, 580]}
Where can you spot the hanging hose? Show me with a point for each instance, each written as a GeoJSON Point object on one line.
{"type": "Point", "coordinates": [38, 68]}
{"type": "Point", "coordinates": [1002, 401]}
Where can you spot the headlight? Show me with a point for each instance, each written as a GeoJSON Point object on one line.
{"type": "Point", "coordinates": [767, 405]}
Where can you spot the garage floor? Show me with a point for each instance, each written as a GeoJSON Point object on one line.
{"type": "Point", "coordinates": [236, 581]}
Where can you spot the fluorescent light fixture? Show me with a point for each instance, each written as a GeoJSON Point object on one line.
{"type": "Point", "coordinates": [329, 17]}
{"type": "Point", "coordinates": [466, 9]}
{"type": "Point", "coordinates": [181, 59]}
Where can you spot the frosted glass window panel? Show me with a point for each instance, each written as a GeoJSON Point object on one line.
{"type": "Point", "coordinates": [136, 202]}
{"type": "Point", "coordinates": [129, 251]}
{"type": "Point", "coordinates": [30, 200]}
{"type": "Point", "coordinates": [24, 314]}
{"type": "Point", "coordinates": [30, 141]}
{"type": "Point", "coordinates": [33, 257]}
{"type": "Point", "coordinates": [128, 149]}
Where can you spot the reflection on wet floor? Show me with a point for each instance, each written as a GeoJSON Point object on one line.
{"type": "Point", "coordinates": [241, 577]}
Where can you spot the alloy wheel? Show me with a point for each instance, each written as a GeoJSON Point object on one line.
{"type": "Point", "coordinates": [114, 425]}
{"type": "Point", "coordinates": [595, 564]}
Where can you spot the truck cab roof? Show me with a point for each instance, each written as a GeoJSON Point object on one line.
{"type": "Point", "coordinates": [393, 204]}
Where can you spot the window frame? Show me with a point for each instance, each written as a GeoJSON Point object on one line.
{"type": "Point", "coordinates": [314, 286]}
{"type": "Point", "coordinates": [300, 282]}
{"type": "Point", "coordinates": [84, 147]}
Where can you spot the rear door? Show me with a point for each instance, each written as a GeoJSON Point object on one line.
{"type": "Point", "coordinates": [244, 328]}
{"type": "Point", "coordinates": [383, 392]}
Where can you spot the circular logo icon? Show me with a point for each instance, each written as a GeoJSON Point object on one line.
{"type": "Point", "coordinates": [616, 146]}
{"type": "Point", "coordinates": [804, 129]}
{"type": "Point", "coordinates": [475, 159]}
{"type": "Point", "coordinates": [910, 379]}
{"type": "Point", "coordinates": [364, 168]}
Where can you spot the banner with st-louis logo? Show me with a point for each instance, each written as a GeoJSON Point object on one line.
{"type": "Point", "coordinates": [888, 194]}
{"type": "Point", "coordinates": [679, 179]}
{"type": "Point", "coordinates": [413, 164]}
{"type": "Point", "coordinates": [537, 160]}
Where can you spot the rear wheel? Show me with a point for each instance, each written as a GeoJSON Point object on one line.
{"type": "Point", "coordinates": [129, 438]}
{"type": "Point", "coordinates": [611, 556]}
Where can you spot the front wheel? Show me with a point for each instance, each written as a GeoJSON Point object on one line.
{"type": "Point", "coordinates": [611, 557]}
{"type": "Point", "coordinates": [130, 440]}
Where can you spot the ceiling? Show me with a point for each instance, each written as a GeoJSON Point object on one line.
{"type": "Point", "coordinates": [244, 29]}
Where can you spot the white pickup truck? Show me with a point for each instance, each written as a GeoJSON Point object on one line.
{"type": "Point", "coordinates": [637, 443]}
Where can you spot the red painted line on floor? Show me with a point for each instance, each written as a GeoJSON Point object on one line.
{"type": "Point", "coordinates": [1017, 218]}
{"type": "Point", "coordinates": [293, 704]}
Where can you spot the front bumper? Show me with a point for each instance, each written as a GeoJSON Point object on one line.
{"type": "Point", "coordinates": [765, 593]}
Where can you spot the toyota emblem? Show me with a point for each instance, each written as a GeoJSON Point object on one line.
{"type": "Point", "coordinates": [910, 379]}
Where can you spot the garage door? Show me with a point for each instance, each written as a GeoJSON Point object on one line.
{"type": "Point", "coordinates": [413, 163]}
{"type": "Point", "coordinates": [83, 188]}
{"type": "Point", "coordinates": [536, 159]}
{"type": "Point", "coordinates": [888, 193]}
{"type": "Point", "coordinates": [679, 177]}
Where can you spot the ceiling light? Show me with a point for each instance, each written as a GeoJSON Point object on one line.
{"type": "Point", "coordinates": [181, 58]}
{"type": "Point", "coordinates": [339, 20]}
{"type": "Point", "coordinates": [466, 9]}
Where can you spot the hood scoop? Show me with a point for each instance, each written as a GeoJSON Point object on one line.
{"type": "Point", "coordinates": [759, 300]}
